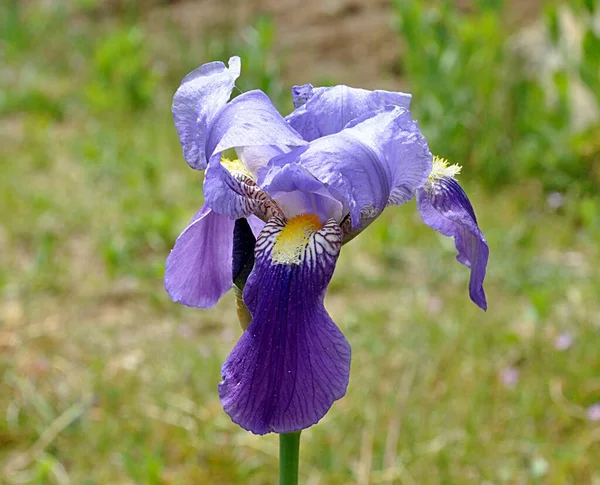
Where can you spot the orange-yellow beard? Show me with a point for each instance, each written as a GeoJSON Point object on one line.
{"type": "Point", "coordinates": [291, 241]}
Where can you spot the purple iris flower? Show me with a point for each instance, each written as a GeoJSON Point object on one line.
{"type": "Point", "coordinates": [305, 184]}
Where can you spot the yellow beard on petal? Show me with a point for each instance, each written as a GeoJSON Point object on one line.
{"type": "Point", "coordinates": [441, 168]}
{"type": "Point", "coordinates": [291, 241]}
{"type": "Point", "coordinates": [235, 166]}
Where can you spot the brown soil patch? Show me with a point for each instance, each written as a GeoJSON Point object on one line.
{"type": "Point", "coordinates": [349, 41]}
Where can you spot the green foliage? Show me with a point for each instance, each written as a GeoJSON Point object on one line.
{"type": "Point", "coordinates": [481, 105]}
{"type": "Point", "coordinates": [122, 73]}
{"type": "Point", "coordinates": [104, 380]}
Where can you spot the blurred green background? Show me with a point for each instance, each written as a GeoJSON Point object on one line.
{"type": "Point", "coordinates": [103, 380]}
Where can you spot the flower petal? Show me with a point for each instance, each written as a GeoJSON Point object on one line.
{"type": "Point", "coordinates": [445, 207]}
{"type": "Point", "coordinates": [292, 363]}
{"type": "Point", "coordinates": [235, 195]}
{"type": "Point", "coordinates": [376, 161]}
{"type": "Point", "coordinates": [200, 96]}
{"type": "Point", "coordinates": [401, 146]}
{"type": "Point", "coordinates": [324, 111]}
{"type": "Point", "coordinates": [256, 225]}
{"type": "Point", "coordinates": [198, 269]}
{"type": "Point", "coordinates": [297, 191]}
{"type": "Point", "coordinates": [251, 120]}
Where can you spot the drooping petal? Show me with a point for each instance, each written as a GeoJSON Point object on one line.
{"type": "Point", "coordinates": [380, 160]}
{"type": "Point", "coordinates": [198, 269]}
{"type": "Point", "coordinates": [293, 362]}
{"type": "Point", "coordinates": [200, 96]}
{"type": "Point", "coordinates": [251, 120]}
{"type": "Point", "coordinates": [297, 191]}
{"type": "Point", "coordinates": [445, 207]}
{"type": "Point", "coordinates": [324, 111]}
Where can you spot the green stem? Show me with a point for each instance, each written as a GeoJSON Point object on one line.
{"type": "Point", "coordinates": [289, 447]}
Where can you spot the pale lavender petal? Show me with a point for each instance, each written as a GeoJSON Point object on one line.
{"type": "Point", "coordinates": [383, 159]}
{"type": "Point", "coordinates": [297, 191]}
{"type": "Point", "coordinates": [198, 269]}
{"type": "Point", "coordinates": [324, 111]}
{"type": "Point", "coordinates": [200, 96]}
{"type": "Point", "coordinates": [234, 195]}
{"type": "Point", "coordinates": [350, 168]}
{"type": "Point", "coordinates": [255, 157]}
{"type": "Point", "coordinates": [292, 363]}
{"type": "Point", "coordinates": [256, 225]}
{"type": "Point", "coordinates": [445, 207]}
{"type": "Point", "coordinates": [401, 146]}
{"type": "Point", "coordinates": [251, 120]}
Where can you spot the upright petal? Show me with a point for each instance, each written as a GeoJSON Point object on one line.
{"type": "Point", "coordinates": [445, 207]}
{"type": "Point", "coordinates": [251, 120]}
{"type": "Point", "coordinates": [324, 111]}
{"type": "Point", "coordinates": [378, 160]}
{"type": "Point", "coordinates": [402, 148]}
{"type": "Point", "coordinates": [292, 363]}
{"type": "Point", "coordinates": [200, 96]}
{"type": "Point", "coordinates": [297, 191]}
{"type": "Point", "coordinates": [346, 166]}
{"type": "Point", "coordinates": [198, 269]}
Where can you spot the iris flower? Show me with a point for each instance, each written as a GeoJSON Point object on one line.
{"type": "Point", "coordinates": [303, 185]}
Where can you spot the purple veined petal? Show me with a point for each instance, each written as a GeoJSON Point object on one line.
{"type": "Point", "coordinates": [324, 111]}
{"type": "Point", "coordinates": [292, 362]}
{"type": "Point", "coordinates": [251, 120]}
{"type": "Point", "coordinates": [198, 269]}
{"type": "Point", "coordinates": [235, 195]}
{"type": "Point", "coordinates": [200, 96]}
{"type": "Point", "coordinates": [380, 160]}
{"type": "Point", "coordinates": [445, 207]}
{"type": "Point", "coordinates": [297, 191]}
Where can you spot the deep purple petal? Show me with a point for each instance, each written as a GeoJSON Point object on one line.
{"type": "Point", "coordinates": [297, 191]}
{"type": "Point", "coordinates": [251, 120]}
{"type": "Point", "coordinates": [198, 269]}
{"type": "Point", "coordinates": [380, 160]}
{"type": "Point", "coordinates": [445, 207]}
{"type": "Point", "coordinates": [324, 111]}
{"type": "Point", "coordinates": [292, 363]}
{"type": "Point", "coordinates": [200, 96]}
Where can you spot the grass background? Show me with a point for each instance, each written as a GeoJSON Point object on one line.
{"type": "Point", "coordinates": [103, 380]}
